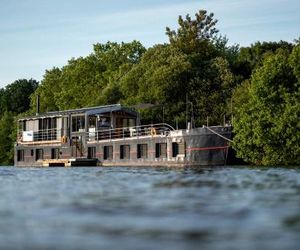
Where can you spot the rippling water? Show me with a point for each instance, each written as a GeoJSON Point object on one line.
{"type": "Point", "coordinates": [149, 208]}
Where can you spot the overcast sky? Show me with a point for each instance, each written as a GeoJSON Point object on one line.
{"type": "Point", "coordinates": [36, 35]}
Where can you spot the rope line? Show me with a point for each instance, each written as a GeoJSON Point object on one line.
{"type": "Point", "coordinates": [225, 138]}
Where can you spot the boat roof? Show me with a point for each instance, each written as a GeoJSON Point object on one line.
{"type": "Point", "coordinates": [97, 110]}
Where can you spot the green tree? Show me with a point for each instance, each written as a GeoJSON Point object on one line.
{"type": "Point", "coordinates": [240, 96]}
{"type": "Point", "coordinates": [159, 78]}
{"type": "Point", "coordinates": [209, 81]}
{"type": "Point", "coordinates": [80, 83]}
{"type": "Point", "coordinates": [7, 132]}
{"type": "Point", "coordinates": [210, 91]}
{"type": "Point", "coordinates": [192, 33]}
{"type": "Point", "coordinates": [267, 126]}
{"type": "Point", "coordinates": [88, 81]}
{"type": "Point", "coordinates": [15, 97]}
{"type": "Point", "coordinates": [250, 58]}
{"type": "Point", "coordinates": [47, 91]}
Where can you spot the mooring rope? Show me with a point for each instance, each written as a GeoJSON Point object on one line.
{"type": "Point", "coordinates": [211, 130]}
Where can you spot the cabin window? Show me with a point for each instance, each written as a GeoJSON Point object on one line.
{"type": "Point", "coordinates": [142, 151]}
{"type": "Point", "coordinates": [178, 148]}
{"type": "Point", "coordinates": [65, 126]}
{"type": "Point", "coordinates": [128, 122]}
{"type": "Point", "coordinates": [104, 122]}
{"type": "Point", "coordinates": [55, 153]}
{"type": "Point", "coordinates": [39, 154]}
{"type": "Point", "coordinates": [92, 121]}
{"type": "Point", "coordinates": [78, 123]}
{"type": "Point", "coordinates": [47, 123]}
{"type": "Point", "coordinates": [174, 149]}
{"type": "Point", "coordinates": [47, 129]}
{"type": "Point", "coordinates": [125, 152]}
{"type": "Point", "coordinates": [161, 150]}
{"type": "Point", "coordinates": [20, 155]}
{"type": "Point", "coordinates": [108, 152]}
{"type": "Point", "coordinates": [22, 125]}
{"type": "Point", "coordinates": [91, 152]}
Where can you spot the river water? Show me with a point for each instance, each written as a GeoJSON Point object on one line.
{"type": "Point", "coordinates": [149, 208]}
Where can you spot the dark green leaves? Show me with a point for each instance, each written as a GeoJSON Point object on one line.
{"type": "Point", "coordinates": [267, 125]}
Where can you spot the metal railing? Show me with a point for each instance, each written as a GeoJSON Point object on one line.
{"type": "Point", "coordinates": [54, 135]}
{"type": "Point", "coordinates": [40, 135]}
{"type": "Point", "coordinates": [127, 132]}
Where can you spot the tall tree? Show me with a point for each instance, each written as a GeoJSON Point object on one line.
{"type": "Point", "coordinates": [267, 126]}
{"type": "Point", "coordinates": [159, 78]}
{"type": "Point", "coordinates": [250, 58]}
{"type": "Point", "coordinates": [193, 32]}
{"type": "Point", "coordinates": [91, 80]}
{"type": "Point", "coordinates": [80, 83]}
{"type": "Point", "coordinates": [209, 81]}
{"type": "Point", "coordinates": [7, 138]}
{"type": "Point", "coordinates": [15, 97]}
{"type": "Point", "coordinates": [47, 91]}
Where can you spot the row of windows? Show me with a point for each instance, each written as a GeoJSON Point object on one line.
{"type": "Point", "coordinates": [39, 154]}
{"type": "Point", "coordinates": [142, 152]}
{"type": "Point", "coordinates": [78, 122]}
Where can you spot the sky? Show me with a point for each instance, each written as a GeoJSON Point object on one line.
{"type": "Point", "coordinates": [36, 35]}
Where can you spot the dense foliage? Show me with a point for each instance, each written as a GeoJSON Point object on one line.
{"type": "Point", "coordinates": [88, 81]}
{"type": "Point", "coordinates": [196, 77]}
{"type": "Point", "coordinates": [15, 97]}
{"type": "Point", "coordinates": [267, 124]}
{"type": "Point", "coordinates": [14, 100]}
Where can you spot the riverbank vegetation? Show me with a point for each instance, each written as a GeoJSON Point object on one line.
{"type": "Point", "coordinates": [195, 76]}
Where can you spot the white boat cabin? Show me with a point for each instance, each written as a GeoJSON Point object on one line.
{"type": "Point", "coordinates": [73, 124]}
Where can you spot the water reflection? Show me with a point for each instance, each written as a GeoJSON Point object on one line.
{"type": "Point", "coordinates": [149, 208]}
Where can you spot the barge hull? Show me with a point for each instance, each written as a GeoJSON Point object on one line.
{"type": "Point", "coordinates": [179, 148]}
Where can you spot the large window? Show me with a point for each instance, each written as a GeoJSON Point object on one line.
{"type": "Point", "coordinates": [178, 148]}
{"type": "Point", "coordinates": [91, 152]}
{"type": "Point", "coordinates": [47, 123]}
{"type": "Point", "coordinates": [78, 123]}
{"type": "Point", "coordinates": [108, 152]}
{"type": "Point", "coordinates": [104, 122]}
{"type": "Point", "coordinates": [20, 155]}
{"type": "Point", "coordinates": [142, 151]}
{"type": "Point", "coordinates": [174, 149]}
{"type": "Point", "coordinates": [39, 154]}
{"type": "Point", "coordinates": [22, 126]}
{"type": "Point", "coordinates": [54, 153]}
{"type": "Point", "coordinates": [125, 152]}
{"type": "Point", "coordinates": [92, 121]}
{"type": "Point", "coordinates": [47, 129]}
{"type": "Point", "coordinates": [161, 150]}
{"type": "Point", "coordinates": [128, 122]}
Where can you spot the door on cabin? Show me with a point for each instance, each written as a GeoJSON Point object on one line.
{"type": "Point", "coordinates": [77, 146]}
{"type": "Point", "coordinates": [119, 126]}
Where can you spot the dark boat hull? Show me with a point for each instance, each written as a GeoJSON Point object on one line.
{"type": "Point", "coordinates": [179, 148]}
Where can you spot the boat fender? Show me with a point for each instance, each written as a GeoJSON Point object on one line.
{"type": "Point", "coordinates": [153, 131]}
{"type": "Point", "coordinates": [64, 139]}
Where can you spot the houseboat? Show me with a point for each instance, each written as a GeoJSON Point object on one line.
{"type": "Point", "coordinates": [113, 135]}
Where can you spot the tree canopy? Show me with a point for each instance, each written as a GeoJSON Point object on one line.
{"type": "Point", "coordinates": [267, 125]}
{"type": "Point", "coordinates": [14, 100]}
{"type": "Point", "coordinates": [15, 97]}
{"type": "Point", "coordinates": [88, 81]}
